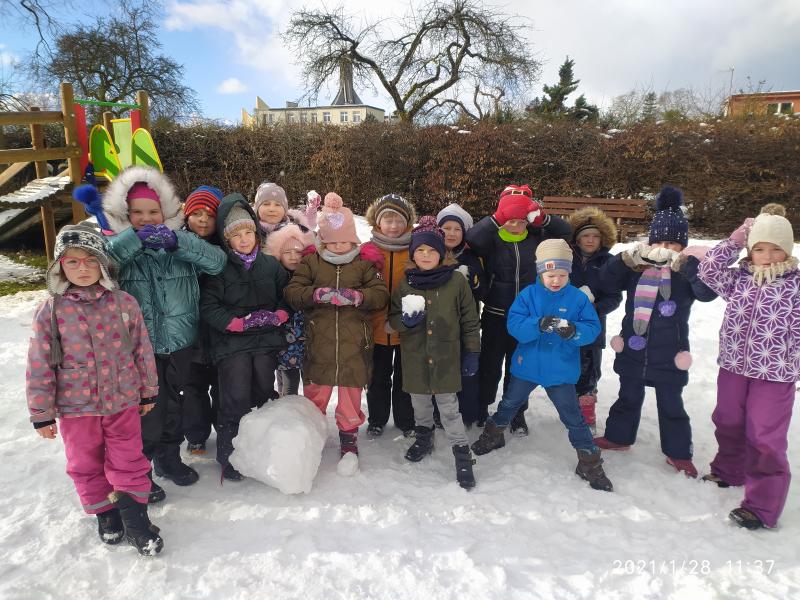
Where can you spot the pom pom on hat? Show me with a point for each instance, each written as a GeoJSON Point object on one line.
{"type": "Point", "coordinates": [772, 226]}
{"type": "Point", "coordinates": [669, 198]}
{"type": "Point", "coordinates": [333, 200]}
{"type": "Point", "coordinates": [773, 208]}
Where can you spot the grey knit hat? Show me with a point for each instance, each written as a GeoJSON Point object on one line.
{"type": "Point", "coordinates": [238, 217]}
{"type": "Point", "coordinates": [270, 192]}
{"type": "Point", "coordinates": [86, 238]}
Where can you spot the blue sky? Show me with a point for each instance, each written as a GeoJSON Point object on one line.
{"type": "Point", "coordinates": [231, 50]}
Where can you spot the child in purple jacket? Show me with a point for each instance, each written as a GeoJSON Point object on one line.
{"type": "Point", "coordinates": [759, 360]}
{"type": "Point", "coordinates": [90, 363]}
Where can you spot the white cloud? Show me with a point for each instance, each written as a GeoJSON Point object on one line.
{"type": "Point", "coordinates": [231, 86]}
{"type": "Point", "coordinates": [7, 59]}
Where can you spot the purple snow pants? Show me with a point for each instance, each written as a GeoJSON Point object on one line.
{"type": "Point", "coordinates": [104, 454]}
{"type": "Point", "coordinates": [752, 420]}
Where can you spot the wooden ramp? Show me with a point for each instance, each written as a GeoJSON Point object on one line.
{"type": "Point", "coordinates": [22, 209]}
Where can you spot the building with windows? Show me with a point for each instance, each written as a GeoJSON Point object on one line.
{"type": "Point", "coordinates": [766, 103]}
{"type": "Point", "coordinates": [346, 109]}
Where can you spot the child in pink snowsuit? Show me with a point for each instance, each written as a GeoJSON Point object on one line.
{"type": "Point", "coordinates": [759, 360]}
{"type": "Point", "coordinates": [90, 363]}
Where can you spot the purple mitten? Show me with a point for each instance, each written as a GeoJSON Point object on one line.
{"type": "Point", "coordinates": [323, 295]}
{"type": "Point", "coordinates": [160, 237]}
{"type": "Point", "coordinates": [346, 297]}
{"type": "Point", "coordinates": [144, 233]}
{"type": "Point", "coordinates": [264, 318]}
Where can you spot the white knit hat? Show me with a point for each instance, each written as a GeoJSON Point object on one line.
{"type": "Point", "coordinates": [772, 226]}
{"type": "Point", "coordinates": [457, 213]}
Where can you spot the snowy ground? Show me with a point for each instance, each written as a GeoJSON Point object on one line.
{"type": "Point", "coordinates": [530, 529]}
{"type": "Point", "coordinates": [13, 271]}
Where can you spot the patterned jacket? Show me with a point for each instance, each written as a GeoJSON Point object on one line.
{"type": "Point", "coordinates": [103, 370]}
{"type": "Point", "coordinates": [760, 333]}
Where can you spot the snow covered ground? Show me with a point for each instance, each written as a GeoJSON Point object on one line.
{"type": "Point", "coordinates": [14, 271]}
{"type": "Point", "coordinates": [530, 529]}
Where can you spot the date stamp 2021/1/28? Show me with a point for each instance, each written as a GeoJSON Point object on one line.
{"type": "Point", "coordinates": [687, 566]}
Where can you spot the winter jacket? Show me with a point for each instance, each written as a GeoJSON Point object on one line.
{"type": "Point", "coordinates": [586, 271]}
{"type": "Point", "coordinates": [476, 276]}
{"type": "Point", "coordinates": [392, 269]}
{"type": "Point", "coordinates": [339, 339]}
{"type": "Point", "coordinates": [760, 333]}
{"type": "Point", "coordinates": [237, 291]}
{"type": "Point", "coordinates": [104, 369]}
{"type": "Point", "coordinates": [666, 336]}
{"type": "Point", "coordinates": [510, 266]}
{"type": "Point", "coordinates": [546, 358]}
{"type": "Point", "coordinates": [164, 283]}
{"type": "Point", "coordinates": [432, 350]}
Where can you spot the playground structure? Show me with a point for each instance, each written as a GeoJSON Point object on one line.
{"type": "Point", "coordinates": [110, 147]}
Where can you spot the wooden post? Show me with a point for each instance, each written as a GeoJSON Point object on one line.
{"type": "Point", "coordinates": [144, 102]}
{"type": "Point", "coordinates": [37, 142]}
{"type": "Point", "coordinates": [49, 228]}
{"type": "Point", "coordinates": [107, 116]}
{"type": "Point", "coordinates": [71, 139]}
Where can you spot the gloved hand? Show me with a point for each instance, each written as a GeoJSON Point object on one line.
{"type": "Point", "coordinates": [314, 199]}
{"type": "Point", "coordinates": [464, 270]}
{"type": "Point", "coordinates": [537, 215]}
{"type": "Point", "coordinates": [548, 324]}
{"type": "Point", "coordinates": [469, 364]}
{"type": "Point", "coordinates": [322, 295]}
{"type": "Point", "coordinates": [158, 236]}
{"type": "Point", "coordinates": [586, 290]}
{"type": "Point", "coordinates": [566, 332]}
{"type": "Point", "coordinates": [264, 318]}
{"type": "Point", "coordinates": [413, 319]}
{"type": "Point", "coordinates": [346, 297]}
{"type": "Point", "coordinates": [739, 237]}
{"type": "Point", "coordinates": [92, 203]}
{"type": "Point", "coordinates": [642, 255]}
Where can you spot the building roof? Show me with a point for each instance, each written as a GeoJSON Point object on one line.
{"type": "Point", "coordinates": [347, 93]}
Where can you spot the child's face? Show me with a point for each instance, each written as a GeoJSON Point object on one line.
{"type": "Point", "coordinates": [555, 280]}
{"type": "Point", "coordinates": [271, 212]}
{"type": "Point", "coordinates": [339, 247]}
{"type": "Point", "coordinates": [589, 242]}
{"type": "Point", "coordinates": [668, 245]}
{"type": "Point", "coordinates": [291, 254]}
{"type": "Point", "coordinates": [144, 211]}
{"type": "Point", "coordinates": [242, 240]}
{"type": "Point", "coordinates": [202, 223]}
{"type": "Point", "coordinates": [515, 226]}
{"type": "Point", "coordinates": [766, 253]}
{"type": "Point", "coordinates": [392, 225]}
{"type": "Point", "coordinates": [426, 257]}
{"type": "Point", "coordinates": [80, 268]}
{"type": "Point", "coordinates": [452, 234]}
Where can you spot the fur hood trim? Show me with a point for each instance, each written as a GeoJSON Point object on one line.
{"type": "Point", "coordinates": [594, 217]}
{"type": "Point", "coordinates": [115, 200]}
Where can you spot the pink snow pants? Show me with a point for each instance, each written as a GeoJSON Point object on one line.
{"type": "Point", "coordinates": [752, 420]}
{"type": "Point", "coordinates": [104, 454]}
{"type": "Point", "coordinates": [349, 415]}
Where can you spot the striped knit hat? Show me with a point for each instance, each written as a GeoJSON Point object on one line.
{"type": "Point", "coordinates": [204, 197]}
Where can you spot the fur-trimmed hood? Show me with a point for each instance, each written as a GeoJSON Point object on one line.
{"type": "Point", "coordinates": [115, 200]}
{"type": "Point", "coordinates": [594, 217]}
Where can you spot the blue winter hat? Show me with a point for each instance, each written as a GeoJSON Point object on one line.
{"type": "Point", "coordinates": [669, 223]}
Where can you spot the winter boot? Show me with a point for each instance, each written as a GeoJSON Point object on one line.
{"type": "Point", "coordinates": [423, 444]}
{"type": "Point", "coordinates": [168, 464]}
{"type": "Point", "coordinates": [491, 438]}
{"type": "Point", "coordinates": [587, 404]}
{"type": "Point", "coordinates": [685, 465]}
{"type": "Point", "coordinates": [375, 431]}
{"type": "Point", "coordinates": [230, 473]}
{"type": "Point", "coordinates": [157, 493]}
{"type": "Point", "coordinates": [464, 462]}
{"type": "Point", "coordinates": [590, 468]}
{"type": "Point", "coordinates": [198, 449]}
{"type": "Point", "coordinates": [110, 527]}
{"type": "Point", "coordinates": [139, 531]}
{"type": "Point", "coordinates": [607, 444]}
{"type": "Point", "coordinates": [716, 479]}
{"type": "Point", "coordinates": [348, 442]}
{"type": "Point", "coordinates": [518, 425]}
{"type": "Point", "coordinates": [745, 518]}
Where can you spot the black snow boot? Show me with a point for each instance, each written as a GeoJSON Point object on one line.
{"type": "Point", "coordinates": [590, 468]}
{"type": "Point", "coordinates": [168, 464]}
{"type": "Point", "coordinates": [746, 518]}
{"type": "Point", "coordinates": [110, 527]}
{"type": "Point", "coordinates": [491, 438]}
{"type": "Point", "coordinates": [518, 425]}
{"type": "Point", "coordinates": [348, 442]}
{"type": "Point", "coordinates": [423, 444]}
{"type": "Point", "coordinates": [139, 531]}
{"type": "Point", "coordinates": [464, 462]}
{"type": "Point", "coordinates": [230, 473]}
{"type": "Point", "coordinates": [157, 493]}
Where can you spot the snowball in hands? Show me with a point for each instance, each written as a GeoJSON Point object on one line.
{"type": "Point", "coordinates": [413, 303]}
{"type": "Point", "coordinates": [281, 443]}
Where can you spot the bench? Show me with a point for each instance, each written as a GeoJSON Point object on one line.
{"type": "Point", "coordinates": [630, 209]}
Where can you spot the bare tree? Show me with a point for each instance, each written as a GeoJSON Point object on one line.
{"type": "Point", "coordinates": [450, 56]}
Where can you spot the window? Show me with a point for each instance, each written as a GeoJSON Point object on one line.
{"type": "Point", "coordinates": [303, 117]}
{"type": "Point", "coordinates": [291, 118]}
{"type": "Point", "coordinates": [313, 117]}
{"type": "Point", "coordinates": [786, 108]}
{"type": "Point", "coordinates": [356, 117]}
{"type": "Point", "coordinates": [780, 108]}
{"type": "Point", "coordinates": [326, 117]}
{"type": "Point", "coordinates": [271, 118]}
{"type": "Point", "coordinates": [343, 117]}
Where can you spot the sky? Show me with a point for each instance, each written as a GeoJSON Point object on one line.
{"type": "Point", "coordinates": [231, 50]}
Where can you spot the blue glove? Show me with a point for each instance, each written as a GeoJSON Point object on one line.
{"type": "Point", "coordinates": [92, 203]}
{"type": "Point", "coordinates": [469, 364]}
{"type": "Point", "coordinates": [413, 319]}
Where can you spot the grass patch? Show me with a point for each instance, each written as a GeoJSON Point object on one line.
{"type": "Point", "coordinates": [12, 287]}
{"type": "Point", "coordinates": [30, 259]}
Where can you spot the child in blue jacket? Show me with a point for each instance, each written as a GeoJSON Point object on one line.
{"type": "Point", "coordinates": [551, 321]}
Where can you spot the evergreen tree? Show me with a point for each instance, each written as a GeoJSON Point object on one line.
{"type": "Point", "coordinates": [583, 111]}
{"type": "Point", "coordinates": [553, 102]}
{"type": "Point", "coordinates": [650, 107]}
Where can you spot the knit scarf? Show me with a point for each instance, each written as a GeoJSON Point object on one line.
{"type": "Point", "coordinates": [339, 259]}
{"type": "Point", "coordinates": [269, 228]}
{"type": "Point", "coordinates": [506, 236]}
{"type": "Point", "coordinates": [247, 259]}
{"type": "Point", "coordinates": [766, 274]}
{"type": "Point", "coordinates": [391, 244]}
{"type": "Point", "coordinates": [430, 279]}
{"type": "Point", "coordinates": [652, 281]}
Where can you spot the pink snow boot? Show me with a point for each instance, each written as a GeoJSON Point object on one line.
{"type": "Point", "coordinates": [609, 445]}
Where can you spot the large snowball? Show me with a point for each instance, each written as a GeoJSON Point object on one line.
{"type": "Point", "coordinates": [281, 443]}
{"type": "Point", "coordinates": [413, 303]}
